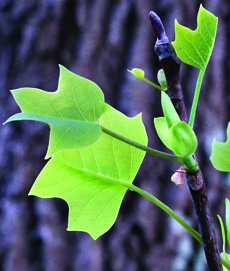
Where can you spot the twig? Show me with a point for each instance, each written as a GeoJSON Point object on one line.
{"type": "Point", "coordinates": [195, 181]}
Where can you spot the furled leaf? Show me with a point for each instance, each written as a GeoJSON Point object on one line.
{"type": "Point", "coordinates": [162, 79]}
{"type": "Point", "coordinates": [90, 179]}
{"type": "Point", "coordinates": [227, 219]}
{"type": "Point", "coordinates": [182, 139]}
{"type": "Point", "coordinates": [195, 47]}
{"type": "Point", "coordinates": [170, 113]}
{"type": "Point", "coordinates": [176, 135]}
{"type": "Point", "coordinates": [162, 130]}
{"type": "Point", "coordinates": [220, 157]}
{"type": "Point", "coordinates": [72, 111]}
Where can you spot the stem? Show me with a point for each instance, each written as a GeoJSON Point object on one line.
{"type": "Point", "coordinates": [191, 164]}
{"type": "Point", "coordinates": [142, 147]}
{"type": "Point", "coordinates": [195, 181]}
{"type": "Point", "coordinates": [165, 208]}
{"type": "Point", "coordinates": [152, 84]}
{"type": "Point", "coordinates": [198, 193]}
{"type": "Point", "coordinates": [196, 97]}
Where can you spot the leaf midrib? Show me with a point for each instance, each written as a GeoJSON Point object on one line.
{"type": "Point", "coordinates": [98, 175]}
{"type": "Point", "coordinates": [45, 117]}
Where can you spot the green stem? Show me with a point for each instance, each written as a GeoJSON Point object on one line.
{"type": "Point", "coordinates": [154, 85]}
{"type": "Point", "coordinates": [196, 97]}
{"type": "Point", "coordinates": [225, 262]}
{"type": "Point", "coordinates": [165, 208]}
{"type": "Point", "coordinates": [191, 164]}
{"type": "Point", "coordinates": [142, 147]}
{"type": "Point", "coordinates": [147, 81]}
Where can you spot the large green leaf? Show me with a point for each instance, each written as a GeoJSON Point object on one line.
{"type": "Point", "coordinates": [90, 179]}
{"type": "Point", "coordinates": [72, 111]}
{"type": "Point", "coordinates": [220, 157]}
{"type": "Point", "coordinates": [195, 47]}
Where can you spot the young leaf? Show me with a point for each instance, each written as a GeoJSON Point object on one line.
{"type": "Point", "coordinates": [195, 47]}
{"type": "Point", "coordinates": [162, 79]}
{"type": "Point", "coordinates": [227, 219]}
{"type": "Point", "coordinates": [162, 130]}
{"type": "Point", "coordinates": [140, 74]}
{"type": "Point", "coordinates": [72, 111]}
{"type": "Point", "coordinates": [223, 234]}
{"type": "Point", "coordinates": [220, 157]}
{"type": "Point", "coordinates": [169, 111]}
{"type": "Point", "coordinates": [182, 139]}
{"type": "Point", "coordinates": [90, 179]}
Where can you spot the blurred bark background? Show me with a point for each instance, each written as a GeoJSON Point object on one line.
{"type": "Point", "coordinates": [100, 40]}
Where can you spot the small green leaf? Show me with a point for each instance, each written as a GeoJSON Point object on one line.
{"type": "Point", "coordinates": [72, 111]}
{"type": "Point", "coordinates": [195, 47]}
{"type": "Point", "coordinates": [90, 179]}
{"type": "Point", "coordinates": [162, 79]}
{"type": "Point", "coordinates": [220, 157]}
{"type": "Point", "coordinates": [182, 139]}
{"type": "Point", "coordinates": [140, 74]}
{"type": "Point", "coordinates": [227, 219]}
{"type": "Point", "coordinates": [169, 110]}
{"type": "Point", "coordinates": [223, 234]}
{"type": "Point", "coordinates": [162, 130]}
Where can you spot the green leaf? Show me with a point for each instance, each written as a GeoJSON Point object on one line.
{"type": "Point", "coordinates": [140, 74]}
{"type": "Point", "coordinates": [162, 79]}
{"type": "Point", "coordinates": [169, 111]}
{"type": "Point", "coordinates": [162, 130]}
{"type": "Point", "coordinates": [182, 139]}
{"type": "Point", "coordinates": [72, 111]}
{"type": "Point", "coordinates": [227, 219]}
{"type": "Point", "coordinates": [90, 179]}
{"type": "Point", "coordinates": [220, 157]}
{"type": "Point", "coordinates": [223, 234]}
{"type": "Point", "coordinates": [65, 134]}
{"type": "Point", "coordinates": [225, 258]}
{"type": "Point", "coordinates": [195, 47]}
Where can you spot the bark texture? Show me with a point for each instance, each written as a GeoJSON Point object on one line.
{"type": "Point", "coordinates": [100, 40]}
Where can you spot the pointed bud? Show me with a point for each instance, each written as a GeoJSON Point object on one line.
{"type": "Point", "coordinates": [161, 79]}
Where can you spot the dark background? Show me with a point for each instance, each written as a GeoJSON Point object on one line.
{"type": "Point", "coordinates": [99, 40]}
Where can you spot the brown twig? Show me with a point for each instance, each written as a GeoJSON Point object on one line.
{"type": "Point", "coordinates": [195, 181]}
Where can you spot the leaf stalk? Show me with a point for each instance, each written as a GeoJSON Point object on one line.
{"type": "Point", "coordinates": [142, 147]}
{"type": "Point", "coordinates": [196, 97]}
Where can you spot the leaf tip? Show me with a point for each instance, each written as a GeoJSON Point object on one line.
{"type": "Point", "coordinates": [139, 73]}
{"type": "Point", "coordinates": [48, 155]}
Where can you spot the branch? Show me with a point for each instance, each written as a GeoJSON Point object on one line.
{"type": "Point", "coordinates": [195, 181]}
